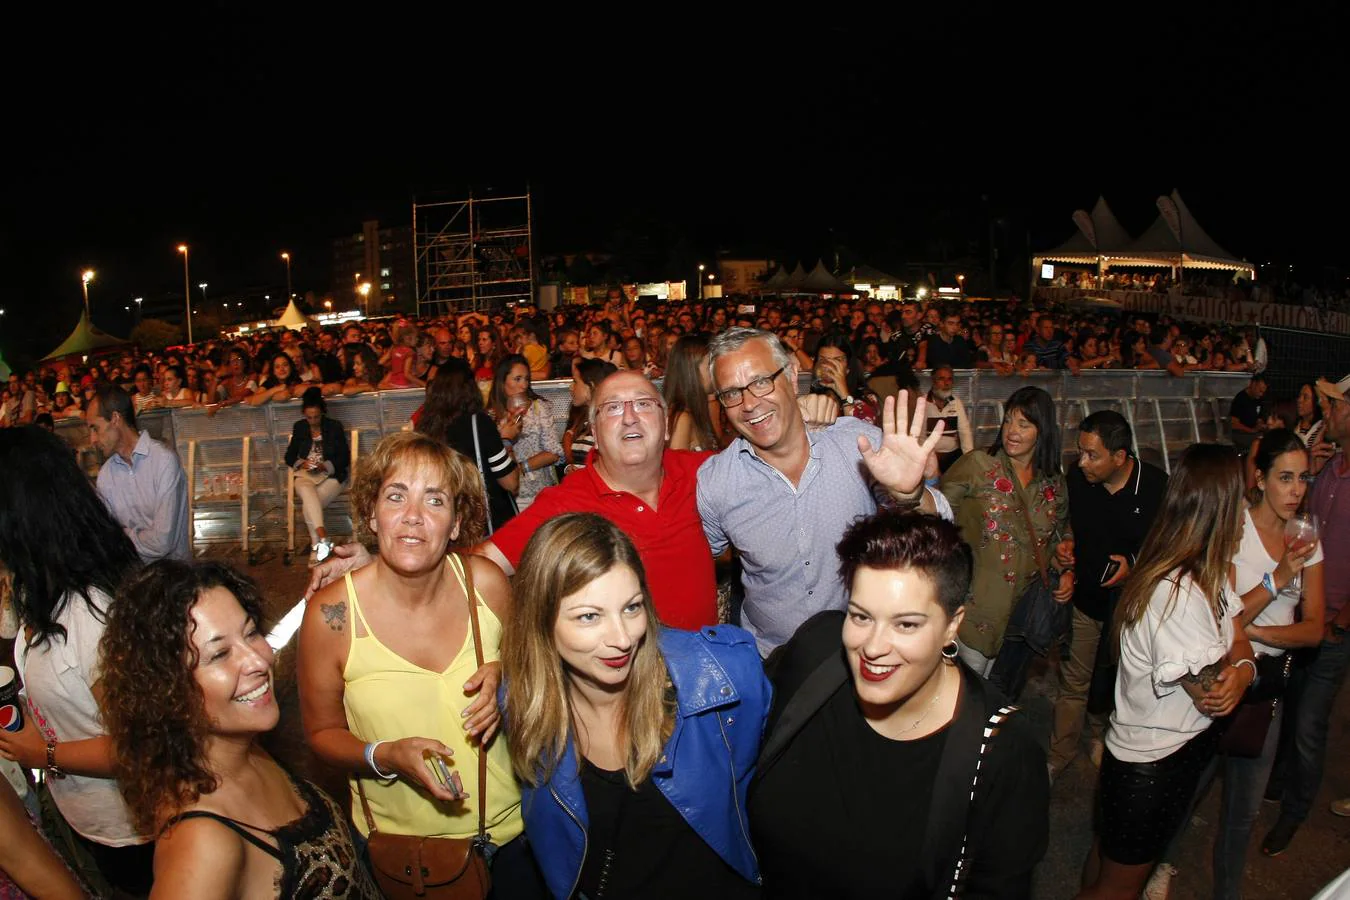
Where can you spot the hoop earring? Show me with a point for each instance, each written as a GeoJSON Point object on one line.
{"type": "Point", "coordinates": [949, 651]}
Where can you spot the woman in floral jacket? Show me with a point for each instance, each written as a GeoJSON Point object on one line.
{"type": "Point", "coordinates": [989, 492]}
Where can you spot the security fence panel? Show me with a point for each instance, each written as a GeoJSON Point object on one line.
{"type": "Point", "coordinates": [1167, 414]}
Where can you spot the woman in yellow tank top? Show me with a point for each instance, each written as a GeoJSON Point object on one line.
{"type": "Point", "coordinates": [387, 671]}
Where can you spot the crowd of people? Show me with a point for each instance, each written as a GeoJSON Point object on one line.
{"type": "Point", "coordinates": [886, 338]}
{"type": "Point", "coordinates": [1269, 288]}
{"type": "Point", "coordinates": [526, 665]}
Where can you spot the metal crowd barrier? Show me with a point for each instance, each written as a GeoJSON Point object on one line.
{"type": "Point", "coordinates": [238, 489]}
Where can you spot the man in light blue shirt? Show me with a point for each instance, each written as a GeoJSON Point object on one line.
{"type": "Point", "coordinates": [142, 481]}
{"type": "Point", "coordinates": [783, 495]}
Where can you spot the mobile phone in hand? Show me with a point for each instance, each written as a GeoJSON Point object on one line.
{"type": "Point", "coordinates": [1112, 567]}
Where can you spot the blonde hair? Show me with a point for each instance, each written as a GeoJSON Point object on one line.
{"type": "Point", "coordinates": [565, 555]}
{"type": "Point", "coordinates": [456, 474]}
{"type": "Point", "coordinates": [1196, 534]}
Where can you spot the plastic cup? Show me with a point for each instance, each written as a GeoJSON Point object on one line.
{"type": "Point", "coordinates": [11, 707]}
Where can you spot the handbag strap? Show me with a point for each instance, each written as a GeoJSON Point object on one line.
{"type": "Point", "coordinates": [478, 658]}
{"type": "Point", "coordinates": [482, 750]}
{"type": "Point", "coordinates": [1031, 531]}
{"type": "Point", "coordinates": [990, 728]}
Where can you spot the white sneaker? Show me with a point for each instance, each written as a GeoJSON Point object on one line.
{"type": "Point", "coordinates": [1095, 752]}
{"type": "Point", "coordinates": [1341, 807]}
{"type": "Point", "coordinates": [1159, 883]}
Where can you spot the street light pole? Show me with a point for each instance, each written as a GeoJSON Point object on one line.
{"type": "Point", "coordinates": [287, 256]}
{"type": "Point", "coordinates": [700, 282]}
{"type": "Point", "coordinates": [85, 278]}
{"type": "Point", "coordinates": [187, 292]}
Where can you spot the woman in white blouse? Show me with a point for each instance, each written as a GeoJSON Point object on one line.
{"type": "Point", "coordinates": [67, 556]}
{"type": "Point", "coordinates": [1275, 578]}
{"type": "Point", "coordinates": [1184, 661]}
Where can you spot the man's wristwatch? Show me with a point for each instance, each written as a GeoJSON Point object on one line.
{"type": "Point", "coordinates": [53, 770]}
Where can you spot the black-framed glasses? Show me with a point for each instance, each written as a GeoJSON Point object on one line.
{"type": "Point", "coordinates": [760, 387]}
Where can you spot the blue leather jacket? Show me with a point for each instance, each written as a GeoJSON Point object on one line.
{"type": "Point", "coordinates": [723, 701]}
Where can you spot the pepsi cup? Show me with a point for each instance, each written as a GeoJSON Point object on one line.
{"type": "Point", "coordinates": [11, 707]}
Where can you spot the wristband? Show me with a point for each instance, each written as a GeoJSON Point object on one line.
{"type": "Point", "coordinates": [935, 481]}
{"type": "Point", "coordinates": [1255, 674]}
{"type": "Point", "coordinates": [525, 467]}
{"type": "Point", "coordinates": [1268, 582]}
{"type": "Point", "coordinates": [370, 761]}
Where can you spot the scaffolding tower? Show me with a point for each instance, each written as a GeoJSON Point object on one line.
{"type": "Point", "coordinates": [473, 255]}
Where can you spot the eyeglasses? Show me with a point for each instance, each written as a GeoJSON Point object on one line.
{"type": "Point", "coordinates": [613, 408]}
{"type": "Point", "coordinates": [760, 387]}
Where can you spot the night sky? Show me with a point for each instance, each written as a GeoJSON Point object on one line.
{"type": "Point", "coordinates": [783, 139]}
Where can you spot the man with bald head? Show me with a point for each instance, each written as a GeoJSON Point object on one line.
{"type": "Point", "coordinates": [647, 490]}
{"type": "Point", "coordinates": [444, 342]}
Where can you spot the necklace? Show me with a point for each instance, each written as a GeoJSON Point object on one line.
{"type": "Point", "coordinates": [932, 703]}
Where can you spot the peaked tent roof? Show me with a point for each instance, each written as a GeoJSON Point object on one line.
{"type": "Point", "coordinates": [292, 317]}
{"type": "Point", "coordinates": [4, 369]}
{"type": "Point", "coordinates": [1110, 236]}
{"type": "Point", "coordinates": [866, 274]}
{"type": "Point", "coordinates": [795, 280]}
{"type": "Point", "coordinates": [84, 338]}
{"type": "Point", "coordinates": [1199, 248]}
{"type": "Point", "coordinates": [776, 280]}
{"type": "Point", "coordinates": [822, 281]}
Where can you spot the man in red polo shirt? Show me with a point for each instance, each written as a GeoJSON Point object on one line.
{"type": "Point", "coordinates": [631, 479]}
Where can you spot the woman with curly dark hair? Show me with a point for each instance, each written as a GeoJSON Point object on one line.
{"type": "Point", "coordinates": [67, 556]}
{"type": "Point", "coordinates": [366, 374]}
{"type": "Point", "coordinates": [188, 690]}
{"type": "Point", "coordinates": [389, 689]}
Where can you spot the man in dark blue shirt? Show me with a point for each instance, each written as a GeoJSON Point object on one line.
{"type": "Point", "coordinates": [1113, 498]}
{"type": "Point", "coordinates": [948, 347]}
{"type": "Point", "coordinates": [1047, 345]}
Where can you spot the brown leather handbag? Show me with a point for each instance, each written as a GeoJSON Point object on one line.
{"type": "Point", "coordinates": [407, 866]}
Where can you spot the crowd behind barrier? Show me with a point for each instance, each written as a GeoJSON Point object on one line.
{"type": "Point", "coordinates": [1167, 413]}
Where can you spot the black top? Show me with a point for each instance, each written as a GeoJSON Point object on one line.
{"type": "Point", "coordinates": [1106, 524]}
{"type": "Point", "coordinates": [1247, 409]}
{"type": "Point", "coordinates": [958, 354]}
{"type": "Point", "coordinates": [335, 449]}
{"type": "Point", "coordinates": [496, 462]}
{"type": "Point", "coordinates": [318, 861]}
{"type": "Point", "coordinates": [638, 845]}
{"type": "Point", "coordinates": [843, 795]}
{"type": "Point", "coordinates": [837, 811]}
{"type": "Point", "coordinates": [330, 367]}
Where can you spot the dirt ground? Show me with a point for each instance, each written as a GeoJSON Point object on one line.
{"type": "Point", "coordinates": [1319, 852]}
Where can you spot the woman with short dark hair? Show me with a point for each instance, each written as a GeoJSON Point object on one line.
{"type": "Point", "coordinates": [920, 780]}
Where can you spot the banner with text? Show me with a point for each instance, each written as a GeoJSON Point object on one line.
{"type": "Point", "coordinates": [1211, 309]}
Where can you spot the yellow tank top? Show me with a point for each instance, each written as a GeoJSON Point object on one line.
{"type": "Point", "coordinates": [388, 698]}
